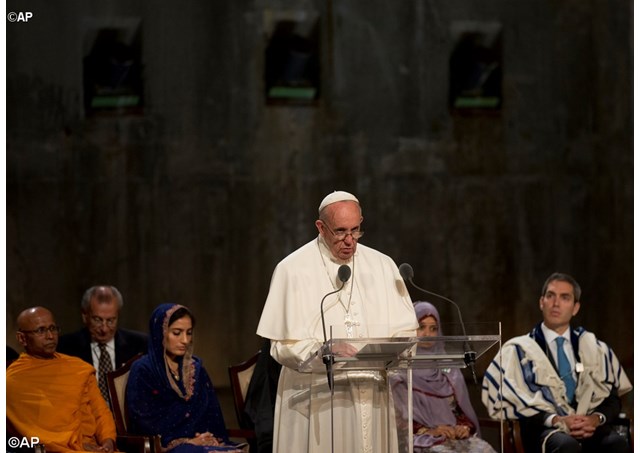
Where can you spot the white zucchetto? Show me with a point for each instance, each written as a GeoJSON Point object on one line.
{"type": "Point", "coordinates": [336, 196]}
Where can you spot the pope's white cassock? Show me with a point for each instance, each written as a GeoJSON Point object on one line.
{"type": "Point", "coordinates": [374, 303]}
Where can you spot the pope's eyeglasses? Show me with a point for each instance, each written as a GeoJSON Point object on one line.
{"type": "Point", "coordinates": [341, 235]}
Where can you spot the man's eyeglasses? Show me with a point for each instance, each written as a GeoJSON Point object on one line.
{"type": "Point", "coordinates": [341, 234]}
{"type": "Point", "coordinates": [97, 321]}
{"type": "Point", "coordinates": [42, 331]}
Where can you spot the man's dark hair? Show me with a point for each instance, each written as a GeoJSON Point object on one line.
{"type": "Point", "coordinates": [559, 276]}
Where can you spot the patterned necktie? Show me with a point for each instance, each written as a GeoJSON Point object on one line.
{"type": "Point", "coordinates": [564, 369]}
{"type": "Point", "coordinates": [104, 367]}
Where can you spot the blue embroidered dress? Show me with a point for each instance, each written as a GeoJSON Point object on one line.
{"type": "Point", "coordinates": [176, 409]}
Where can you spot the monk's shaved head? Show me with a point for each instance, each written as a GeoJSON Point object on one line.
{"type": "Point", "coordinates": [37, 332]}
{"type": "Point", "coordinates": [27, 317]}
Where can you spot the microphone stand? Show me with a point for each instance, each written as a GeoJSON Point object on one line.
{"type": "Point", "coordinates": [327, 356]}
{"type": "Point", "coordinates": [469, 355]}
{"type": "Point", "coordinates": [344, 273]}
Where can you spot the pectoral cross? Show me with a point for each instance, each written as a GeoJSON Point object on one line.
{"type": "Point", "coordinates": [349, 324]}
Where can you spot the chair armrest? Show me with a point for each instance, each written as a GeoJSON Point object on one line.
{"type": "Point", "coordinates": [242, 437]}
{"type": "Point", "coordinates": [141, 444]}
{"type": "Point", "coordinates": [241, 433]}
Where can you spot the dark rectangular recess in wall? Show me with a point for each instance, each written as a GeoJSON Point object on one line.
{"type": "Point", "coordinates": [292, 59]}
{"type": "Point", "coordinates": [112, 69]}
{"type": "Point", "coordinates": [475, 67]}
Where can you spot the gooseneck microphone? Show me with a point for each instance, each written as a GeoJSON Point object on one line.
{"type": "Point", "coordinates": [344, 273]}
{"type": "Point", "coordinates": [406, 272]}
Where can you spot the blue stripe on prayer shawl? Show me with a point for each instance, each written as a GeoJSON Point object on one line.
{"type": "Point", "coordinates": [617, 372]}
{"type": "Point", "coordinates": [504, 410]}
{"type": "Point", "coordinates": [490, 377]}
{"type": "Point", "coordinates": [608, 364]}
{"type": "Point", "coordinates": [513, 408]}
{"type": "Point", "coordinates": [608, 359]}
{"type": "Point", "coordinates": [527, 371]}
{"type": "Point", "coordinates": [508, 384]}
{"type": "Point", "coordinates": [495, 383]}
{"type": "Point", "coordinates": [575, 342]}
{"type": "Point", "coordinates": [506, 415]}
{"type": "Point", "coordinates": [530, 380]}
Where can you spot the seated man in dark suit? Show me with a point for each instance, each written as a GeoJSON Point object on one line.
{"type": "Point", "coordinates": [260, 401]}
{"type": "Point", "coordinates": [101, 343]}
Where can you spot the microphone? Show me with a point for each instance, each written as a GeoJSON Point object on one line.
{"type": "Point", "coordinates": [406, 272]}
{"type": "Point", "coordinates": [344, 273]}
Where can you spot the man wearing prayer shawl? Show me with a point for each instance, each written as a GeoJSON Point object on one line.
{"type": "Point", "coordinates": [52, 396]}
{"type": "Point", "coordinates": [563, 411]}
{"type": "Point", "coordinates": [374, 302]}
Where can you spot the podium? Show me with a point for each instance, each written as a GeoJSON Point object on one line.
{"type": "Point", "coordinates": [382, 363]}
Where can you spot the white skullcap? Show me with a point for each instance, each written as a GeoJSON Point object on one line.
{"type": "Point", "coordinates": [336, 196]}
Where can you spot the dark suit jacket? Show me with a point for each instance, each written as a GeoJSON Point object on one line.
{"type": "Point", "coordinates": [260, 401]}
{"type": "Point", "coordinates": [128, 343]}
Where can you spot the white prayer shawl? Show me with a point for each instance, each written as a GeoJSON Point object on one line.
{"type": "Point", "coordinates": [379, 306]}
{"type": "Point", "coordinates": [530, 383]}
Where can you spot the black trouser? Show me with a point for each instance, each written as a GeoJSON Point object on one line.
{"type": "Point", "coordinates": [605, 439]}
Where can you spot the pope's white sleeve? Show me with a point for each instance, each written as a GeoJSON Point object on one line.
{"type": "Point", "coordinates": [291, 353]}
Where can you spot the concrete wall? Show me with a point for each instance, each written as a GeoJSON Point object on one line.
{"type": "Point", "coordinates": [198, 198]}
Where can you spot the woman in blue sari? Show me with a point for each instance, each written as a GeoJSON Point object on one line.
{"type": "Point", "coordinates": [169, 392]}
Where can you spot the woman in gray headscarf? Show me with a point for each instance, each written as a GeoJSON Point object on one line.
{"type": "Point", "coordinates": [443, 418]}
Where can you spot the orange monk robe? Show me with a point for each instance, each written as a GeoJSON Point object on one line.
{"type": "Point", "coordinates": [58, 401]}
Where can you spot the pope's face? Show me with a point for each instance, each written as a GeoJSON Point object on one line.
{"type": "Point", "coordinates": [558, 305]}
{"type": "Point", "coordinates": [339, 223]}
